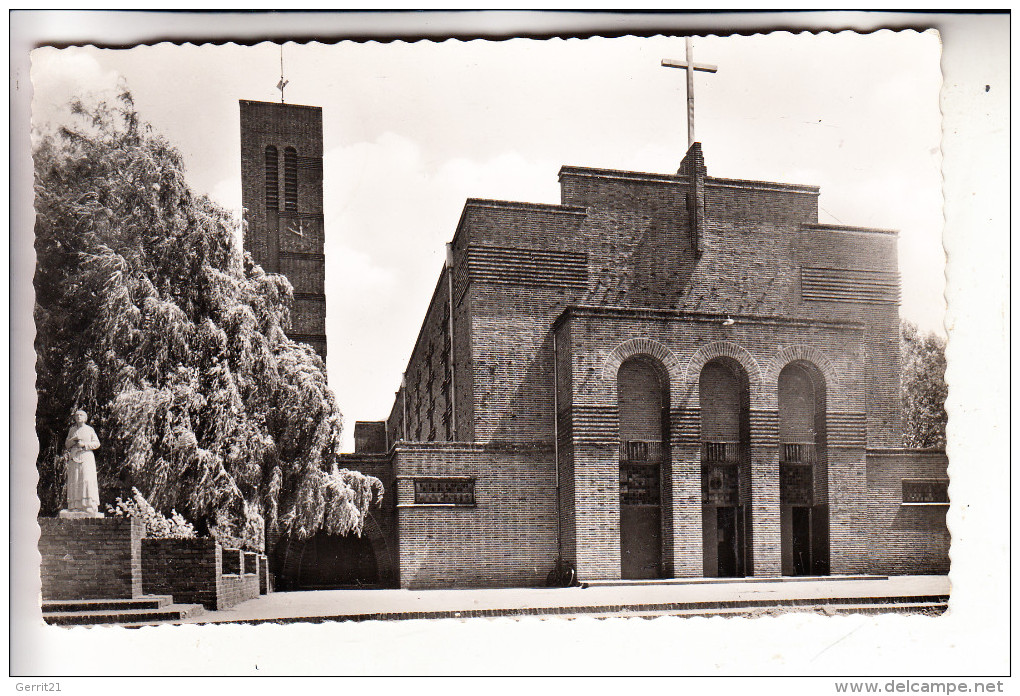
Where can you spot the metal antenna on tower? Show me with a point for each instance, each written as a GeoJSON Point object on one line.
{"type": "Point", "coordinates": [282, 83]}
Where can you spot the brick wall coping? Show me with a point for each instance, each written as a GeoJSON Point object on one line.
{"type": "Point", "coordinates": [680, 179]}
{"type": "Point", "coordinates": [622, 175]}
{"type": "Point", "coordinates": [496, 204]}
{"type": "Point", "coordinates": [277, 104]}
{"type": "Point", "coordinates": [199, 541]}
{"type": "Point", "coordinates": [716, 182]}
{"type": "Point", "coordinates": [87, 521]}
{"type": "Point", "coordinates": [490, 446]}
{"type": "Point", "coordinates": [370, 456]}
{"type": "Point", "coordinates": [848, 228]}
{"type": "Point", "coordinates": [900, 451]}
{"type": "Point", "coordinates": [582, 311]}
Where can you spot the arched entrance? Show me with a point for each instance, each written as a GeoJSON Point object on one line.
{"type": "Point", "coordinates": [803, 470]}
{"type": "Point", "coordinates": [329, 562]}
{"type": "Point", "coordinates": [643, 392]}
{"type": "Point", "coordinates": [724, 393]}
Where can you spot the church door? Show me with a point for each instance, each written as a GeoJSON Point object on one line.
{"type": "Point", "coordinates": [331, 562]}
{"type": "Point", "coordinates": [801, 540]}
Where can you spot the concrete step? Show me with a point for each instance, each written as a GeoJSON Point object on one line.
{"type": "Point", "coordinates": [725, 581]}
{"type": "Point", "coordinates": [739, 607]}
{"type": "Point", "coordinates": [171, 612]}
{"type": "Point", "coordinates": [71, 605]}
{"type": "Point", "coordinates": [926, 608]}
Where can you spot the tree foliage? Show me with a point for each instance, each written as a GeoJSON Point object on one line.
{"type": "Point", "coordinates": [923, 361]}
{"type": "Point", "coordinates": [150, 318]}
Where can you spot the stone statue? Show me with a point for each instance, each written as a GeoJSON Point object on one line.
{"type": "Point", "coordinates": [82, 483]}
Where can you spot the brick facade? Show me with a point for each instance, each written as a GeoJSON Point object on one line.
{"type": "Point", "coordinates": [513, 385]}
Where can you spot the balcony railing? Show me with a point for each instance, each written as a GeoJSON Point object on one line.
{"type": "Point", "coordinates": [641, 451]}
{"type": "Point", "coordinates": [720, 452]}
{"type": "Point", "coordinates": [797, 453]}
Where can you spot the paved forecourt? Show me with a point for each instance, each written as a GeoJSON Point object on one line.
{"type": "Point", "coordinates": [398, 604]}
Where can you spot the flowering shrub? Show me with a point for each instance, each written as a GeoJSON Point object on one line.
{"type": "Point", "coordinates": [157, 525]}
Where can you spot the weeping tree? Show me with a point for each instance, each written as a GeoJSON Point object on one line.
{"type": "Point", "coordinates": [150, 318]}
{"type": "Point", "coordinates": [923, 362]}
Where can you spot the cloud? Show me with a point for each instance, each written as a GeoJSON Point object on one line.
{"type": "Point", "coordinates": [227, 192]}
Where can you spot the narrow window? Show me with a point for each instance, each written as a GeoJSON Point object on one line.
{"type": "Point", "coordinates": [289, 178]}
{"type": "Point", "coordinates": [272, 179]}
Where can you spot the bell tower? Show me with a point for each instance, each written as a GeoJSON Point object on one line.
{"type": "Point", "coordinates": [281, 192]}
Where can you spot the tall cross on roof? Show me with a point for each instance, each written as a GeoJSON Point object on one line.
{"type": "Point", "coordinates": [282, 83]}
{"type": "Point", "coordinates": [690, 66]}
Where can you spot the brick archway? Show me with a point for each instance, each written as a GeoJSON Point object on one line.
{"type": "Point", "coordinates": [720, 349]}
{"type": "Point", "coordinates": [788, 354]}
{"type": "Point", "coordinates": [293, 551]}
{"type": "Point", "coordinates": [640, 346]}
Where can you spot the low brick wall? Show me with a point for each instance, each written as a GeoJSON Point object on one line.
{"type": "Point", "coordinates": [94, 558]}
{"type": "Point", "coordinates": [906, 539]}
{"type": "Point", "coordinates": [192, 571]}
{"type": "Point", "coordinates": [239, 586]}
{"type": "Point", "coordinates": [188, 569]}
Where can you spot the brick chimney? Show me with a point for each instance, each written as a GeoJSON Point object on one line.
{"type": "Point", "coordinates": [693, 168]}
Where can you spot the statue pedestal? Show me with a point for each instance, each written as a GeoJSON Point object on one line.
{"type": "Point", "coordinates": [90, 557]}
{"type": "Point", "coordinates": [79, 515]}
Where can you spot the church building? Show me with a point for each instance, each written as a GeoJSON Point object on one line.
{"type": "Point", "coordinates": [662, 376]}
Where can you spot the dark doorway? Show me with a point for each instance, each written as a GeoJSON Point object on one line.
{"type": "Point", "coordinates": [337, 562]}
{"type": "Point", "coordinates": [641, 544]}
{"type": "Point", "coordinates": [801, 540]}
{"type": "Point", "coordinates": [726, 541]}
{"type": "Point", "coordinates": [820, 540]}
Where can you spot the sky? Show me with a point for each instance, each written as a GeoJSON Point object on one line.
{"type": "Point", "coordinates": [413, 129]}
